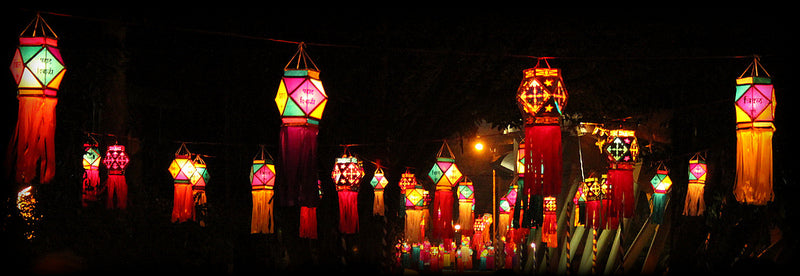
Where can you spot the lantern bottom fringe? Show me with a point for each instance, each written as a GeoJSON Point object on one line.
{"type": "Point", "coordinates": [91, 187]}
{"type": "Point", "coordinates": [262, 221]}
{"type": "Point", "coordinates": [414, 225]}
{"type": "Point", "coordinates": [200, 207]}
{"type": "Point", "coordinates": [549, 230]}
{"type": "Point", "coordinates": [442, 226]}
{"type": "Point", "coordinates": [503, 223]}
{"type": "Point", "coordinates": [465, 218]}
{"type": "Point", "coordinates": [659, 203]}
{"type": "Point", "coordinates": [33, 140]}
{"type": "Point", "coordinates": [348, 212]}
{"type": "Point", "coordinates": [622, 182]}
{"type": "Point", "coordinates": [694, 204]}
{"type": "Point", "coordinates": [183, 203]}
{"type": "Point", "coordinates": [308, 222]}
{"type": "Point", "coordinates": [378, 208]}
{"type": "Point", "coordinates": [754, 166]}
{"type": "Point", "coordinates": [117, 194]}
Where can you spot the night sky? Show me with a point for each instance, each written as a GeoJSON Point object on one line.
{"type": "Point", "coordinates": [398, 85]}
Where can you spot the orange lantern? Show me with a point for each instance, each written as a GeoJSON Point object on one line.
{"type": "Point", "coordinates": [694, 205]}
{"type": "Point", "coordinates": [182, 168]}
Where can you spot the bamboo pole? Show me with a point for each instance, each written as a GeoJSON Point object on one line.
{"type": "Point", "coordinates": [642, 239]}
{"type": "Point", "coordinates": [574, 246]}
{"type": "Point", "coordinates": [611, 263]}
{"type": "Point", "coordinates": [657, 245]}
{"type": "Point", "coordinates": [588, 253]}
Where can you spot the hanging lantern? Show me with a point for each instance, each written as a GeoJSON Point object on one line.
{"type": "Point", "coordinates": [622, 150]}
{"type": "Point", "coordinates": [198, 180]}
{"type": "Point", "coordinates": [182, 168]}
{"type": "Point", "coordinates": [549, 225]}
{"type": "Point", "coordinates": [91, 173]}
{"type": "Point", "coordinates": [695, 205]}
{"type": "Point", "coordinates": [262, 181]}
{"type": "Point", "coordinates": [466, 202]}
{"type": "Point", "coordinates": [37, 68]}
{"type": "Point", "coordinates": [378, 183]}
{"type": "Point", "coordinates": [416, 207]}
{"type": "Point", "coordinates": [541, 97]}
{"type": "Point", "coordinates": [347, 174]}
{"type": "Point", "coordinates": [506, 209]}
{"type": "Point", "coordinates": [596, 211]}
{"type": "Point", "coordinates": [579, 217]}
{"type": "Point", "coordinates": [301, 101]}
{"type": "Point", "coordinates": [116, 161]}
{"type": "Point", "coordinates": [520, 183]}
{"type": "Point", "coordinates": [661, 186]}
{"type": "Point", "coordinates": [755, 112]}
{"type": "Point", "coordinates": [445, 175]}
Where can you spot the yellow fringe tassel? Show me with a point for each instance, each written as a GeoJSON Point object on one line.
{"type": "Point", "coordinates": [262, 218]}
{"type": "Point", "coordinates": [754, 166]}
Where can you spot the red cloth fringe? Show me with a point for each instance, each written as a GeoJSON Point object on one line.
{"type": "Point", "coordinates": [442, 223]}
{"type": "Point", "coordinates": [117, 195]}
{"type": "Point", "coordinates": [183, 203]}
{"type": "Point", "coordinates": [543, 160]}
{"type": "Point", "coordinates": [348, 212]}
{"type": "Point", "coordinates": [91, 187]}
{"type": "Point", "coordinates": [550, 230]}
{"type": "Point", "coordinates": [621, 181]}
{"type": "Point", "coordinates": [308, 222]}
{"type": "Point", "coordinates": [33, 140]}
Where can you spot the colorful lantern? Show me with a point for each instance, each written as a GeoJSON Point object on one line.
{"type": "Point", "coordinates": [416, 207]}
{"type": "Point", "coordinates": [622, 150]}
{"type": "Point", "coordinates": [597, 208]}
{"type": "Point", "coordinates": [580, 206]}
{"type": "Point", "coordinates": [378, 183]}
{"type": "Point", "coordinates": [466, 202]}
{"type": "Point", "coordinates": [37, 68]}
{"type": "Point", "coordinates": [755, 111]}
{"type": "Point", "coordinates": [182, 168]}
{"type": "Point", "coordinates": [262, 181]}
{"type": "Point", "coordinates": [91, 173]}
{"type": "Point", "coordinates": [445, 175]}
{"type": "Point", "coordinates": [549, 225]}
{"type": "Point", "coordinates": [199, 179]}
{"type": "Point", "coordinates": [506, 209]}
{"type": "Point", "coordinates": [661, 186]}
{"type": "Point", "coordinates": [301, 100]}
{"type": "Point", "coordinates": [347, 174]}
{"type": "Point", "coordinates": [116, 161]}
{"type": "Point", "coordinates": [695, 205]}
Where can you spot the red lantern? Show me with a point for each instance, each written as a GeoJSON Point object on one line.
{"type": "Point", "coordinates": [622, 149]}
{"type": "Point", "coordinates": [91, 173]}
{"type": "Point", "coordinates": [549, 225]}
{"type": "Point", "coordinates": [116, 162]}
{"type": "Point", "coordinates": [347, 174]}
{"type": "Point", "coordinates": [37, 68]}
{"type": "Point", "coordinates": [182, 168]}
{"type": "Point", "coordinates": [445, 175]}
{"type": "Point", "coordinates": [262, 180]}
{"type": "Point", "coordinates": [755, 111]}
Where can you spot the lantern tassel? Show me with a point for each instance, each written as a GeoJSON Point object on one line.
{"type": "Point", "coordinates": [117, 196]}
{"type": "Point", "coordinates": [442, 215]}
{"type": "Point", "coordinates": [659, 203]}
{"type": "Point", "coordinates": [754, 166]}
{"type": "Point", "coordinates": [413, 231]}
{"type": "Point", "coordinates": [465, 218]}
{"type": "Point", "coordinates": [262, 218]}
{"type": "Point", "coordinates": [593, 214]}
{"type": "Point", "coordinates": [694, 204]}
{"type": "Point", "coordinates": [348, 212]}
{"type": "Point", "coordinates": [308, 222]}
{"type": "Point", "coordinates": [183, 203]}
{"type": "Point", "coordinates": [34, 140]}
{"type": "Point", "coordinates": [378, 208]}
{"type": "Point", "coordinates": [621, 179]}
{"type": "Point", "coordinates": [543, 162]}
{"type": "Point", "coordinates": [91, 186]}
{"type": "Point", "coordinates": [503, 223]}
{"type": "Point", "coordinates": [200, 207]}
{"type": "Point", "coordinates": [549, 230]}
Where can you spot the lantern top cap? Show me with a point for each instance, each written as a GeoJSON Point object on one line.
{"type": "Point", "coordinates": [183, 151]}
{"type": "Point", "coordinates": [753, 69]}
{"type": "Point", "coordinates": [263, 156]}
{"type": "Point", "coordinates": [301, 61]}
{"type": "Point", "coordinates": [38, 28]}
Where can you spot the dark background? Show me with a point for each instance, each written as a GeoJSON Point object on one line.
{"type": "Point", "coordinates": [398, 85]}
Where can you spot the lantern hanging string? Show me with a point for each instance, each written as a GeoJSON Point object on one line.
{"type": "Point", "coordinates": [39, 25]}
{"type": "Point", "coordinates": [753, 68]}
{"type": "Point", "coordinates": [301, 57]}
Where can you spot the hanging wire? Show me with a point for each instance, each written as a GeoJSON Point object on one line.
{"type": "Point", "coordinates": [301, 57]}
{"type": "Point", "coordinates": [39, 25]}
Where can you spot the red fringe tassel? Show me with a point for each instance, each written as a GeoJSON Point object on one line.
{"type": "Point", "coordinates": [348, 212]}
{"type": "Point", "coordinates": [308, 222]}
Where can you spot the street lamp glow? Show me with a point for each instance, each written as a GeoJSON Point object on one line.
{"type": "Point", "coordinates": [479, 146]}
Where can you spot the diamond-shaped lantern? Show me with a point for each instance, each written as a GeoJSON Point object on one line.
{"type": "Point", "coordinates": [697, 171]}
{"type": "Point", "coordinates": [542, 91]}
{"type": "Point", "coordinates": [661, 181]}
{"type": "Point", "coordinates": [378, 181]}
{"type": "Point", "coordinates": [200, 176]}
{"type": "Point", "coordinates": [466, 192]}
{"type": "Point", "coordinates": [621, 146]}
{"type": "Point", "coordinates": [445, 173]}
{"type": "Point", "coordinates": [301, 97]}
{"type": "Point", "coordinates": [37, 65]}
{"type": "Point", "coordinates": [116, 160]}
{"type": "Point", "coordinates": [262, 174]}
{"type": "Point", "coordinates": [347, 173]}
{"type": "Point", "coordinates": [416, 197]}
{"type": "Point", "coordinates": [91, 156]}
{"type": "Point", "coordinates": [521, 160]}
{"type": "Point", "coordinates": [182, 167]}
{"type": "Point", "coordinates": [755, 100]}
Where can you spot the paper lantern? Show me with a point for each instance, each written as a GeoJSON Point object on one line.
{"type": "Point", "coordinates": [182, 168]}
{"type": "Point", "coordinates": [695, 205]}
{"type": "Point", "coordinates": [378, 183]}
{"type": "Point", "coordinates": [622, 150]}
{"type": "Point", "coordinates": [262, 181]}
{"type": "Point", "coordinates": [445, 176]}
{"type": "Point", "coordinates": [597, 210]}
{"type": "Point", "coordinates": [755, 110]}
{"type": "Point", "coordinates": [199, 179]}
{"type": "Point", "coordinates": [661, 186]}
{"type": "Point", "coordinates": [91, 173]}
{"type": "Point", "coordinates": [549, 225]}
{"type": "Point", "coordinates": [466, 202]}
{"type": "Point", "coordinates": [416, 202]}
{"type": "Point", "coordinates": [38, 69]}
{"type": "Point", "coordinates": [116, 161]}
{"type": "Point", "coordinates": [579, 218]}
{"type": "Point", "coordinates": [347, 174]}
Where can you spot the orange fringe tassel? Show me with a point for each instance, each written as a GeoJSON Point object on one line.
{"type": "Point", "coordinates": [34, 140]}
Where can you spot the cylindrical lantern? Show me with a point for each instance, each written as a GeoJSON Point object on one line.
{"type": "Point", "coordinates": [695, 205]}
{"type": "Point", "coordinates": [301, 100]}
{"type": "Point", "coordinates": [378, 183]}
{"type": "Point", "coordinates": [116, 161]}
{"type": "Point", "coordinates": [199, 179]}
{"type": "Point", "coordinates": [755, 111]}
{"type": "Point", "coordinates": [37, 68]}
{"type": "Point", "coordinates": [466, 202]}
{"type": "Point", "coordinates": [622, 150]}
{"type": "Point", "coordinates": [445, 175]}
{"type": "Point", "coordinates": [182, 168]}
{"type": "Point", "coordinates": [661, 186]}
{"type": "Point", "coordinates": [347, 174]}
{"type": "Point", "coordinates": [262, 181]}
{"type": "Point", "coordinates": [91, 173]}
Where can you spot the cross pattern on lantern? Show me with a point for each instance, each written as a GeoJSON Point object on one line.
{"type": "Point", "coordinates": [541, 88]}
{"type": "Point", "coordinates": [116, 159]}
{"type": "Point", "coordinates": [347, 172]}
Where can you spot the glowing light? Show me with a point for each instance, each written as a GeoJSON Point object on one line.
{"type": "Point", "coordinates": [479, 146]}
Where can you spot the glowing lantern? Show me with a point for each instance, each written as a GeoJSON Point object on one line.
{"type": "Point", "coordinates": [755, 111]}
{"type": "Point", "coordinates": [199, 179]}
{"type": "Point", "coordinates": [466, 202]}
{"type": "Point", "coordinates": [695, 205]}
{"type": "Point", "coordinates": [622, 150]}
{"type": "Point", "coordinates": [37, 68]}
{"type": "Point", "coordinates": [262, 181]}
{"type": "Point", "coordinates": [416, 202]}
{"type": "Point", "coordinates": [580, 206]}
{"type": "Point", "coordinates": [661, 186]}
{"type": "Point", "coordinates": [378, 183]}
{"type": "Point", "coordinates": [597, 209]}
{"type": "Point", "coordinates": [91, 173]}
{"type": "Point", "coordinates": [182, 168]}
{"type": "Point", "coordinates": [506, 209]}
{"type": "Point", "coordinates": [116, 161]}
{"type": "Point", "coordinates": [301, 100]}
{"type": "Point", "coordinates": [347, 174]}
{"type": "Point", "coordinates": [549, 225]}
{"type": "Point", "coordinates": [445, 175]}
